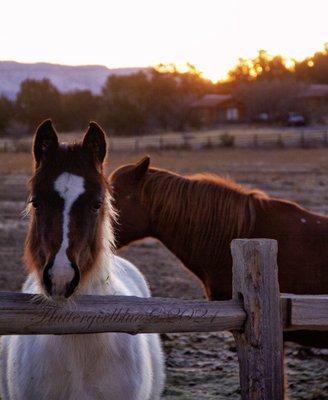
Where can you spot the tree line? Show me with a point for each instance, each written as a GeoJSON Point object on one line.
{"type": "Point", "coordinates": [266, 67]}
{"type": "Point", "coordinates": [160, 98]}
{"type": "Point", "coordinates": [272, 85]}
{"type": "Point", "coordinates": [133, 104]}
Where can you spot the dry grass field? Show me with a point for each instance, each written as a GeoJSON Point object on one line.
{"type": "Point", "coordinates": [199, 366]}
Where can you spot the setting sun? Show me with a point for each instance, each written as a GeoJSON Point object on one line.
{"type": "Point", "coordinates": [127, 33]}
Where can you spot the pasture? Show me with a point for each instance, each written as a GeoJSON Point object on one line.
{"type": "Point", "coordinates": [194, 361]}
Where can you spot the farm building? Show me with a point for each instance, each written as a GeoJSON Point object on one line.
{"type": "Point", "coordinates": [310, 101]}
{"type": "Point", "coordinates": [213, 109]}
{"type": "Point", "coordinates": [314, 101]}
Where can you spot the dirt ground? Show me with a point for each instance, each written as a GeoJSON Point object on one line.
{"type": "Point", "coordinates": [199, 366]}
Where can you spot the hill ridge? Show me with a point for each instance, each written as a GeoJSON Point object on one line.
{"type": "Point", "coordinates": [64, 77]}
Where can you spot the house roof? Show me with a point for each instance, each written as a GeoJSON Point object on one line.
{"type": "Point", "coordinates": [215, 100]}
{"type": "Point", "coordinates": [212, 100]}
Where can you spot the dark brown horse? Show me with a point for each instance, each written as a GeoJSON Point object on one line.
{"type": "Point", "coordinates": [196, 218]}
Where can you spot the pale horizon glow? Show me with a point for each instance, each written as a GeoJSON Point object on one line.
{"type": "Point", "coordinates": [211, 34]}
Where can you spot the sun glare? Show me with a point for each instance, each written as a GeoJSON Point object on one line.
{"type": "Point", "coordinates": [206, 73]}
{"type": "Point", "coordinates": [211, 74]}
{"type": "Point", "coordinates": [150, 33]}
{"type": "Point", "coordinates": [290, 63]}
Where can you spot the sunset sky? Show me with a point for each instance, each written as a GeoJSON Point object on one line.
{"type": "Point", "coordinates": [211, 34]}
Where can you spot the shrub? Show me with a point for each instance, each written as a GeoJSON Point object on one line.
{"type": "Point", "coordinates": [227, 140]}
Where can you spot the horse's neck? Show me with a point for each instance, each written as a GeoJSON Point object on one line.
{"type": "Point", "coordinates": [98, 281]}
{"type": "Point", "coordinates": [203, 245]}
{"type": "Point", "coordinates": [163, 231]}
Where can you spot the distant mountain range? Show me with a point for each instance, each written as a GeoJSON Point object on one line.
{"type": "Point", "coordinates": [64, 77]}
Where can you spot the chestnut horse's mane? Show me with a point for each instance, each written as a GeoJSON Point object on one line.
{"type": "Point", "coordinates": [213, 209]}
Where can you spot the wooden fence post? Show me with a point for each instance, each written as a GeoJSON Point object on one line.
{"type": "Point", "coordinates": [325, 138]}
{"type": "Point", "coordinates": [136, 145]}
{"type": "Point", "coordinates": [280, 141]}
{"type": "Point", "coordinates": [302, 140]}
{"type": "Point", "coordinates": [161, 143]}
{"type": "Point", "coordinates": [186, 138]}
{"type": "Point", "coordinates": [255, 141]}
{"type": "Point", "coordinates": [260, 344]}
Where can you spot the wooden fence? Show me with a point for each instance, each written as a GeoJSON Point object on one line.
{"type": "Point", "coordinates": [250, 138]}
{"type": "Point", "coordinates": [257, 316]}
{"type": "Point", "coordinates": [238, 138]}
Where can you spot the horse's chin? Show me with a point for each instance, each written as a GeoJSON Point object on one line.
{"type": "Point", "coordinates": [61, 300]}
{"type": "Point", "coordinates": [45, 298]}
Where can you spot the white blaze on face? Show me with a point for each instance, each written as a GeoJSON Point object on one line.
{"type": "Point", "coordinates": [69, 187]}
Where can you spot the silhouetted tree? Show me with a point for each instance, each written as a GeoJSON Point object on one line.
{"type": "Point", "coordinates": [159, 98]}
{"type": "Point", "coordinates": [314, 69]}
{"type": "Point", "coordinates": [123, 103]}
{"type": "Point", "coordinates": [262, 67]}
{"type": "Point", "coordinates": [37, 100]}
{"type": "Point", "coordinates": [78, 108]}
{"type": "Point", "coordinates": [156, 99]}
{"type": "Point", "coordinates": [6, 113]}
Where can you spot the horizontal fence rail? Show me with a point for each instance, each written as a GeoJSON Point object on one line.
{"type": "Point", "coordinates": [239, 138]}
{"type": "Point", "coordinates": [22, 313]}
{"type": "Point", "coordinates": [305, 312]}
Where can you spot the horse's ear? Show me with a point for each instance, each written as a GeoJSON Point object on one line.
{"type": "Point", "coordinates": [45, 140]}
{"type": "Point", "coordinates": [141, 167]}
{"type": "Point", "coordinates": [94, 142]}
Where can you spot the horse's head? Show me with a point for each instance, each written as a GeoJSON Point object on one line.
{"type": "Point", "coordinates": [133, 218]}
{"type": "Point", "coordinates": [69, 207]}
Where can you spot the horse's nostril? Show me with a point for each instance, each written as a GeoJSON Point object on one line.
{"type": "Point", "coordinates": [70, 287]}
{"type": "Point", "coordinates": [46, 277]}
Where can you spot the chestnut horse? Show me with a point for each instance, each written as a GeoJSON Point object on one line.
{"type": "Point", "coordinates": [69, 251]}
{"type": "Point", "coordinates": [197, 217]}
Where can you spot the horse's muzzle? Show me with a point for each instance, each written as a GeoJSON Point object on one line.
{"type": "Point", "coordinates": [55, 283]}
{"type": "Point", "coordinates": [70, 287]}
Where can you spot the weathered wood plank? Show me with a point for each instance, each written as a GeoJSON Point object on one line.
{"type": "Point", "coordinates": [305, 312]}
{"type": "Point", "coordinates": [20, 314]}
{"type": "Point", "coordinates": [260, 345]}
{"type": "Point", "coordinates": [26, 314]}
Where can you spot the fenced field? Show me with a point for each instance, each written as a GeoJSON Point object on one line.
{"type": "Point", "coordinates": [203, 365]}
{"type": "Point", "coordinates": [241, 137]}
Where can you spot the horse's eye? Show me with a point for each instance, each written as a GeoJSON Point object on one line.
{"type": "Point", "coordinates": [96, 206]}
{"type": "Point", "coordinates": [35, 202]}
